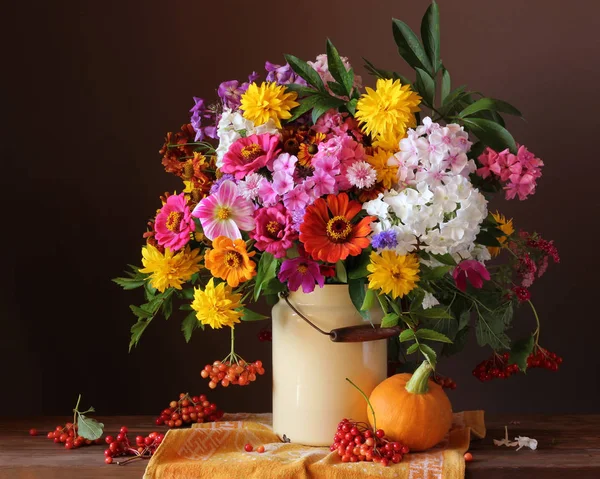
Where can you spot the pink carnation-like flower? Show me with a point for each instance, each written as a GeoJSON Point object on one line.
{"type": "Point", "coordinates": [274, 231]}
{"type": "Point", "coordinates": [174, 223]}
{"type": "Point", "coordinates": [249, 154]}
{"type": "Point", "coordinates": [303, 272]}
{"type": "Point", "coordinates": [361, 175]}
{"type": "Point", "coordinates": [225, 213]}
{"type": "Point", "coordinates": [472, 270]}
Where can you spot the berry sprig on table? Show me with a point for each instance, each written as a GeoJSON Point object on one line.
{"type": "Point", "coordinates": [356, 441]}
{"type": "Point", "coordinates": [83, 431]}
{"type": "Point", "coordinates": [235, 371]}
{"type": "Point", "coordinates": [189, 409]}
{"type": "Point", "coordinates": [120, 446]}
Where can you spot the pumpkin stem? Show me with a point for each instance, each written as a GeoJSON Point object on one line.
{"type": "Point", "coordinates": [419, 382]}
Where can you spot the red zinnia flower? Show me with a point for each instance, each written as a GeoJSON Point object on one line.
{"type": "Point", "coordinates": [328, 233]}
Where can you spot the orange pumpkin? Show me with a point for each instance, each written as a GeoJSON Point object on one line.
{"type": "Point", "coordinates": [411, 409]}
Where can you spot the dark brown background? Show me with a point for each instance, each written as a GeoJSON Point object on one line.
{"type": "Point", "coordinates": [93, 87]}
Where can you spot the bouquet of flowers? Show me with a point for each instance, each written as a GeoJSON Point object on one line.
{"type": "Point", "coordinates": [305, 178]}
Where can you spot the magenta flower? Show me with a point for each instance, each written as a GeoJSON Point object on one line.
{"type": "Point", "coordinates": [249, 154]}
{"type": "Point", "coordinates": [225, 213]}
{"type": "Point", "coordinates": [174, 223]}
{"type": "Point", "coordinates": [267, 195]}
{"type": "Point", "coordinates": [303, 272]}
{"type": "Point", "coordinates": [274, 230]}
{"type": "Point", "coordinates": [472, 270]}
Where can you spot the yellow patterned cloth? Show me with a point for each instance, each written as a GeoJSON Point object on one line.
{"type": "Point", "coordinates": [216, 451]}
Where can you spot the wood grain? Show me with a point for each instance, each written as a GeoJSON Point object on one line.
{"type": "Point", "coordinates": [569, 447]}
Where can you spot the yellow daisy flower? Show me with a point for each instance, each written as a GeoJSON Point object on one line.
{"type": "Point", "coordinates": [389, 110]}
{"type": "Point", "coordinates": [170, 270]}
{"type": "Point", "coordinates": [217, 306]}
{"type": "Point", "coordinates": [386, 174]}
{"type": "Point", "coordinates": [393, 274]}
{"type": "Point", "coordinates": [268, 101]}
{"type": "Point", "coordinates": [504, 225]}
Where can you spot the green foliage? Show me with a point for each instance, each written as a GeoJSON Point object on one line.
{"type": "Point", "coordinates": [88, 427]}
{"type": "Point", "coordinates": [520, 350]}
{"type": "Point", "coordinates": [356, 289]}
{"type": "Point", "coordinates": [189, 324]}
{"type": "Point", "coordinates": [430, 34]}
{"type": "Point", "coordinates": [431, 335]}
{"type": "Point", "coordinates": [409, 46]}
{"type": "Point", "coordinates": [390, 320]}
{"type": "Point", "coordinates": [340, 272]}
{"type": "Point", "coordinates": [492, 134]}
{"type": "Point", "coordinates": [250, 315]}
{"type": "Point", "coordinates": [489, 104]}
{"type": "Point", "coordinates": [266, 271]}
{"type": "Point", "coordinates": [426, 87]}
{"type": "Point", "coordinates": [491, 325]}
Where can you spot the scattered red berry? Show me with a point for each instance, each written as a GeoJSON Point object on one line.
{"type": "Point", "coordinates": [120, 445]}
{"type": "Point", "coordinates": [189, 409]}
{"type": "Point", "coordinates": [356, 441]}
{"type": "Point", "coordinates": [232, 372]}
{"type": "Point", "coordinates": [33, 432]}
{"type": "Point", "coordinates": [260, 449]}
{"type": "Point", "coordinates": [108, 460]}
{"type": "Point", "coordinates": [248, 447]}
{"type": "Point", "coordinates": [468, 457]}
{"type": "Point", "coordinates": [68, 436]}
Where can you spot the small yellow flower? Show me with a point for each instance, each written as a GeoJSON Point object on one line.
{"type": "Point", "coordinates": [170, 270]}
{"type": "Point", "coordinates": [230, 261]}
{"type": "Point", "coordinates": [217, 306]}
{"type": "Point", "coordinates": [386, 174]}
{"type": "Point", "coordinates": [393, 274]}
{"type": "Point", "coordinates": [268, 101]}
{"type": "Point", "coordinates": [504, 225]}
{"type": "Point", "coordinates": [388, 110]}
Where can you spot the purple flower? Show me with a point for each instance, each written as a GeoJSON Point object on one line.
{"type": "Point", "coordinates": [200, 112]}
{"type": "Point", "coordinates": [230, 92]}
{"type": "Point", "coordinates": [282, 75]}
{"type": "Point", "coordinates": [297, 218]}
{"type": "Point", "coordinates": [385, 239]}
{"type": "Point", "coordinates": [217, 184]}
{"type": "Point", "coordinates": [303, 272]}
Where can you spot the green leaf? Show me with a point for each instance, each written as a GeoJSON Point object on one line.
{"type": "Point", "coordinates": [188, 293]}
{"type": "Point", "coordinates": [337, 88]}
{"type": "Point", "coordinates": [430, 34]}
{"type": "Point", "coordinates": [129, 283]}
{"type": "Point", "coordinates": [139, 312]}
{"type": "Point", "coordinates": [490, 104]}
{"type": "Point", "coordinates": [433, 274]}
{"type": "Point", "coordinates": [368, 301]}
{"type": "Point", "coordinates": [460, 341]}
{"type": "Point", "coordinates": [274, 286]}
{"type": "Point", "coordinates": [413, 348]}
{"type": "Point", "coordinates": [136, 332]}
{"type": "Point", "coordinates": [407, 335]}
{"type": "Point", "coordinates": [447, 327]}
{"type": "Point", "coordinates": [351, 106]}
{"type": "Point", "coordinates": [325, 104]}
{"type": "Point", "coordinates": [492, 134]}
{"type": "Point", "coordinates": [426, 86]}
{"type": "Point", "coordinates": [409, 46]}
{"type": "Point", "coordinates": [189, 324]}
{"type": "Point", "coordinates": [453, 96]}
{"type": "Point", "coordinates": [429, 353]}
{"type": "Point", "coordinates": [359, 268]}
{"type": "Point", "coordinates": [417, 296]}
{"type": "Point", "coordinates": [167, 307]}
{"type": "Point", "coordinates": [88, 427]}
{"type": "Point", "coordinates": [435, 313]}
{"type": "Point", "coordinates": [489, 330]}
{"type": "Point", "coordinates": [431, 335]}
{"type": "Point", "coordinates": [444, 259]}
{"type": "Point", "coordinates": [338, 70]}
{"type": "Point", "coordinates": [446, 85]}
{"type": "Point", "coordinates": [385, 74]}
{"type": "Point", "coordinates": [356, 289]}
{"type": "Point", "coordinates": [306, 104]}
{"type": "Point", "coordinates": [305, 71]}
{"type": "Point", "coordinates": [394, 306]}
{"type": "Point", "coordinates": [267, 267]}
{"type": "Point", "coordinates": [463, 319]}
{"type": "Point", "coordinates": [250, 315]}
{"type": "Point", "coordinates": [390, 320]}
{"type": "Point", "coordinates": [301, 89]}
{"type": "Point", "coordinates": [486, 238]}
{"type": "Point", "coordinates": [340, 272]}
{"type": "Point", "coordinates": [519, 352]}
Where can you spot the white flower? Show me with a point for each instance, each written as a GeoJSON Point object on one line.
{"type": "Point", "coordinates": [429, 301]}
{"type": "Point", "coordinates": [377, 207]}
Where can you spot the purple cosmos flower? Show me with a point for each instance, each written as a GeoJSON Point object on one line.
{"type": "Point", "coordinates": [303, 272]}
{"type": "Point", "coordinates": [230, 92]}
{"type": "Point", "coordinates": [282, 75]}
{"type": "Point", "coordinates": [385, 239]}
{"type": "Point", "coordinates": [217, 184]}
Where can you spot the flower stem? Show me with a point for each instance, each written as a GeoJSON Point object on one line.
{"type": "Point", "coordinates": [368, 402]}
{"type": "Point", "coordinates": [419, 382]}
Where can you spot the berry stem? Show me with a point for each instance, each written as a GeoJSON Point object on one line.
{"type": "Point", "coordinates": [419, 382]}
{"type": "Point", "coordinates": [76, 410]}
{"type": "Point", "coordinates": [368, 402]}
{"type": "Point", "coordinates": [537, 319]}
{"type": "Point", "coordinates": [232, 341]}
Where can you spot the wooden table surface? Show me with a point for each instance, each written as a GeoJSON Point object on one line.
{"type": "Point", "coordinates": [569, 448]}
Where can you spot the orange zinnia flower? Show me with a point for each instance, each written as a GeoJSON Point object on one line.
{"type": "Point", "coordinates": [230, 261]}
{"type": "Point", "coordinates": [328, 233]}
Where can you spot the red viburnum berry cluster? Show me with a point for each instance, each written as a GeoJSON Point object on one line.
{"type": "Point", "coordinates": [189, 409]}
{"type": "Point", "coordinates": [265, 335]}
{"type": "Point", "coordinates": [495, 367]}
{"type": "Point", "coordinates": [232, 372]}
{"type": "Point", "coordinates": [445, 382]}
{"type": "Point", "coordinates": [542, 358]}
{"type": "Point", "coordinates": [68, 436]}
{"type": "Point", "coordinates": [356, 441]}
{"type": "Point", "coordinates": [120, 446]}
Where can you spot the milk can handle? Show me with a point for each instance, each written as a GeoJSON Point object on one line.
{"type": "Point", "coordinates": [348, 334]}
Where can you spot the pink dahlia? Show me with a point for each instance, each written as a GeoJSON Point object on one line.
{"type": "Point", "coordinates": [274, 231]}
{"type": "Point", "coordinates": [303, 272]}
{"type": "Point", "coordinates": [249, 154]}
{"type": "Point", "coordinates": [472, 270]}
{"type": "Point", "coordinates": [174, 223]}
{"type": "Point", "coordinates": [225, 213]}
